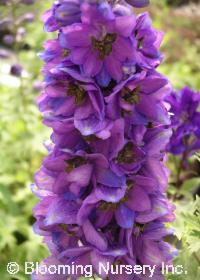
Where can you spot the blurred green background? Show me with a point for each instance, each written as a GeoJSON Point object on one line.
{"type": "Point", "coordinates": [22, 133]}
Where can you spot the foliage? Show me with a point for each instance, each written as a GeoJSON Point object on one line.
{"type": "Point", "coordinates": [187, 231]}
{"type": "Point", "coordinates": [21, 151]}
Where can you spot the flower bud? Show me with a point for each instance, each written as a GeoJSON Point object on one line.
{"type": "Point", "coordinates": [28, 17]}
{"type": "Point", "coordinates": [67, 12]}
{"type": "Point", "coordinates": [16, 70]}
{"type": "Point", "coordinates": [8, 39]}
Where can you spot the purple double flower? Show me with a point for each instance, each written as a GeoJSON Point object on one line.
{"type": "Point", "coordinates": [102, 186]}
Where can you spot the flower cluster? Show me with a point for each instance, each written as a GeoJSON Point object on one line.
{"type": "Point", "coordinates": [184, 108]}
{"type": "Point", "coordinates": [13, 30]}
{"type": "Point", "coordinates": [102, 186]}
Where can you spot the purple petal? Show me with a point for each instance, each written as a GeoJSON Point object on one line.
{"type": "Point", "coordinates": [157, 231]}
{"type": "Point", "coordinates": [93, 237]}
{"type": "Point", "coordinates": [151, 253]}
{"type": "Point", "coordinates": [61, 211]}
{"type": "Point", "coordinates": [103, 78]}
{"type": "Point", "coordinates": [138, 200]}
{"type": "Point", "coordinates": [114, 67]}
{"type": "Point", "coordinates": [155, 169]}
{"type": "Point", "coordinates": [81, 175]}
{"type": "Point", "coordinates": [51, 25]}
{"type": "Point", "coordinates": [78, 55]}
{"type": "Point", "coordinates": [55, 163]}
{"type": "Point", "coordinates": [148, 184]}
{"type": "Point", "coordinates": [86, 208]}
{"type": "Point", "coordinates": [125, 25]}
{"type": "Point", "coordinates": [43, 180]}
{"type": "Point", "coordinates": [97, 100]}
{"type": "Point", "coordinates": [110, 194]}
{"type": "Point", "coordinates": [92, 65]}
{"type": "Point", "coordinates": [159, 209]}
{"type": "Point", "coordinates": [77, 35]}
{"type": "Point", "coordinates": [125, 217]}
{"type": "Point", "coordinates": [122, 49]}
{"type": "Point", "coordinates": [90, 125]}
{"type": "Point", "coordinates": [103, 218]}
{"type": "Point", "coordinates": [108, 178]}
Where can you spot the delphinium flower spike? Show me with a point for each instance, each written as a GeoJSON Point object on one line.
{"type": "Point", "coordinates": [185, 122]}
{"type": "Point", "coordinates": [102, 186]}
{"type": "Point", "coordinates": [184, 142]}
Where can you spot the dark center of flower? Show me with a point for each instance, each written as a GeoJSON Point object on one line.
{"type": "Point", "coordinates": [131, 96]}
{"type": "Point", "coordinates": [150, 125]}
{"type": "Point", "coordinates": [185, 116]}
{"type": "Point", "coordinates": [130, 184]}
{"type": "Point", "coordinates": [107, 90]}
{"type": "Point", "coordinates": [74, 163]}
{"type": "Point", "coordinates": [139, 228]}
{"type": "Point", "coordinates": [117, 263]}
{"type": "Point", "coordinates": [77, 91]}
{"type": "Point", "coordinates": [104, 46]}
{"type": "Point", "coordinates": [140, 43]}
{"type": "Point", "coordinates": [105, 206]}
{"type": "Point", "coordinates": [65, 52]}
{"type": "Point", "coordinates": [90, 138]}
{"type": "Point", "coordinates": [65, 228]}
{"type": "Point", "coordinates": [126, 155]}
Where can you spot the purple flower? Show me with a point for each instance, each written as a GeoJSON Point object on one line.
{"type": "Point", "coordinates": [62, 14]}
{"type": "Point", "coordinates": [4, 53]}
{"type": "Point", "coordinates": [84, 100]}
{"type": "Point", "coordinates": [154, 251]}
{"type": "Point", "coordinates": [5, 24]}
{"type": "Point", "coordinates": [185, 122]}
{"type": "Point", "coordinates": [8, 39]}
{"type": "Point", "coordinates": [101, 43]}
{"type": "Point", "coordinates": [16, 70]}
{"type": "Point", "coordinates": [148, 42]}
{"type": "Point", "coordinates": [124, 202]}
{"type": "Point", "coordinates": [141, 96]}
